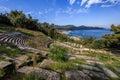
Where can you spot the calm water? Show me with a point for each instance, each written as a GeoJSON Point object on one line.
{"type": "Point", "coordinates": [89, 33]}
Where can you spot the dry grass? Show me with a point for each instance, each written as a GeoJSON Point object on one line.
{"type": "Point", "coordinates": [37, 39]}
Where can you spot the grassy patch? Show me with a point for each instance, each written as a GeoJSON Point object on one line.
{"type": "Point", "coordinates": [58, 53]}
{"type": "Point", "coordinates": [68, 65]}
{"type": "Point", "coordinates": [29, 77]}
{"type": "Point", "coordinates": [9, 49]}
{"type": "Point", "coordinates": [26, 33]}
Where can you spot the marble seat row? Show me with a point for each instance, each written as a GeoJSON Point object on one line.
{"type": "Point", "coordinates": [14, 37]}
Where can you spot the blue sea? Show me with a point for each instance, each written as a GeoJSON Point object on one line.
{"type": "Point", "coordinates": [89, 33]}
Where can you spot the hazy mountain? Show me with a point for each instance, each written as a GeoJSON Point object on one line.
{"type": "Point", "coordinates": [72, 27]}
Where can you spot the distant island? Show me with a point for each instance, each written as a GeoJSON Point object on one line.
{"type": "Point", "coordinates": [73, 27]}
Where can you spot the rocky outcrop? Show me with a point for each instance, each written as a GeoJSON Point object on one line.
{"type": "Point", "coordinates": [76, 75]}
{"type": "Point", "coordinates": [97, 75]}
{"type": "Point", "coordinates": [36, 51]}
{"type": "Point", "coordinates": [42, 73]}
{"type": "Point", "coordinates": [108, 72]}
{"type": "Point", "coordinates": [21, 60]}
{"type": "Point", "coordinates": [6, 67]}
{"type": "Point", "coordinates": [4, 64]}
{"type": "Point", "coordinates": [46, 63]}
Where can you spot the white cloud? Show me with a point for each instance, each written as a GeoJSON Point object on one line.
{"type": "Point", "coordinates": [106, 5]}
{"type": "Point", "coordinates": [72, 2]}
{"type": "Point", "coordinates": [83, 1]}
{"type": "Point", "coordinates": [4, 9]}
{"type": "Point", "coordinates": [89, 3]}
{"type": "Point", "coordinates": [113, 1]}
{"type": "Point", "coordinates": [71, 11]}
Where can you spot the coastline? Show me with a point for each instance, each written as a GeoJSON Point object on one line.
{"type": "Point", "coordinates": [67, 32]}
{"type": "Point", "coordinates": [64, 32]}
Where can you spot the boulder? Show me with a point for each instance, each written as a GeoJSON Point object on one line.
{"type": "Point", "coordinates": [46, 63]}
{"type": "Point", "coordinates": [42, 73]}
{"type": "Point", "coordinates": [97, 75]}
{"type": "Point", "coordinates": [21, 60]}
{"type": "Point", "coordinates": [4, 64]}
{"type": "Point", "coordinates": [4, 56]}
{"type": "Point", "coordinates": [6, 67]}
{"type": "Point", "coordinates": [76, 75]}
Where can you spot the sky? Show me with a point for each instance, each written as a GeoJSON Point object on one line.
{"type": "Point", "coordinates": [101, 13]}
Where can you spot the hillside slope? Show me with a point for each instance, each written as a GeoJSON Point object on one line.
{"type": "Point", "coordinates": [35, 39]}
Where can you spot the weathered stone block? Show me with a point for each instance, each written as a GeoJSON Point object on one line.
{"type": "Point", "coordinates": [76, 75]}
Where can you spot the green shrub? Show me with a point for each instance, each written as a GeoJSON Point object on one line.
{"type": "Point", "coordinates": [58, 53]}
{"type": "Point", "coordinates": [98, 44]}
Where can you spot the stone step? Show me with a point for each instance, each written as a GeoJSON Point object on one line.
{"type": "Point", "coordinates": [94, 62]}
{"type": "Point", "coordinates": [4, 64]}
{"type": "Point", "coordinates": [117, 69]}
{"type": "Point", "coordinates": [14, 40]}
{"type": "Point", "coordinates": [88, 67]}
{"type": "Point", "coordinates": [36, 51]}
{"type": "Point", "coordinates": [6, 67]}
{"type": "Point", "coordinates": [14, 37]}
{"type": "Point", "coordinates": [98, 75]}
{"type": "Point", "coordinates": [3, 38]}
{"type": "Point", "coordinates": [85, 57]}
{"type": "Point", "coordinates": [7, 40]}
{"type": "Point", "coordinates": [76, 75]}
{"type": "Point", "coordinates": [17, 41]}
{"type": "Point", "coordinates": [42, 73]}
{"type": "Point", "coordinates": [6, 57]}
{"type": "Point", "coordinates": [10, 40]}
{"type": "Point", "coordinates": [22, 42]}
{"type": "Point", "coordinates": [46, 63]}
{"type": "Point", "coordinates": [108, 72]}
{"type": "Point", "coordinates": [21, 60]}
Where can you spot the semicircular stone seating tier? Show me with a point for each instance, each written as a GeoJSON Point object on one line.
{"type": "Point", "coordinates": [16, 38]}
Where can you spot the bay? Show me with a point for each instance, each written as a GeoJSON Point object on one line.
{"type": "Point", "coordinates": [98, 33]}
